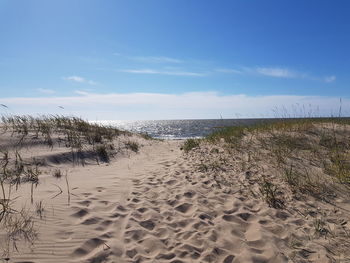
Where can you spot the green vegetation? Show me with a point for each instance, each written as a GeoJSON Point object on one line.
{"type": "Point", "coordinates": [320, 227]}
{"type": "Point", "coordinates": [83, 138]}
{"type": "Point", "coordinates": [75, 130]}
{"type": "Point", "coordinates": [189, 144]}
{"type": "Point", "coordinates": [300, 166]}
{"type": "Point", "coordinates": [340, 165]}
{"type": "Point", "coordinates": [235, 133]}
{"type": "Point", "coordinates": [146, 136]}
{"type": "Point", "coordinates": [296, 148]}
{"type": "Point", "coordinates": [269, 192]}
{"type": "Point", "coordinates": [228, 134]}
{"type": "Point", "coordinates": [134, 146]}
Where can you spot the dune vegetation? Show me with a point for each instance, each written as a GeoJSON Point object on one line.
{"type": "Point", "coordinates": [301, 166]}
{"type": "Point", "coordinates": [62, 140]}
{"type": "Point", "coordinates": [277, 191]}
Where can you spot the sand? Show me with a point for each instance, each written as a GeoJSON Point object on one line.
{"type": "Point", "coordinates": [156, 206]}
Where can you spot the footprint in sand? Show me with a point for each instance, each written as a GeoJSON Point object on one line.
{"type": "Point", "coordinates": [184, 208]}
{"type": "Point", "coordinates": [167, 256]}
{"type": "Point", "coordinates": [135, 234]}
{"type": "Point", "coordinates": [142, 209]}
{"type": "Point", "coordinates": [148, 224]}
{"type": "Point", "coordinates": [121, 208]}
{"type": "Point", "coordinates": [80, 213]}
{"type": "Point", "coordinates": [131, 253]}
{"type": "Point", "coordinates": [189, 194]}
{"type": "Point", "coordinates": [85, 203]}
{"type": "Point", "coordinates": [91, 221]}
{"type": "Point", "coordinates": [229, 259]}
{"type": "Point", "coordinates": [245, 216]}
{"type": "Point", "coordinates": [88, 247]}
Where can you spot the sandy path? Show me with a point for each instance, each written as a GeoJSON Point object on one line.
{"type": "Point", "coordinates": [156, 207]}
{"type": "Point", "coordinates": [177, 216]}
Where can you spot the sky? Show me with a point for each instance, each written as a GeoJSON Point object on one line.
{"type": "Point", "coordinates": [175, 59]}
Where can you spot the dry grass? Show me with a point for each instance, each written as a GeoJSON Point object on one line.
{"type": "Point", "coordinates": [300, 166]}
{"type": "Point", "coordinates": [17, 226]}
{"type": "Point", "coordinates": [269, 192]}
{"type": "Point", "coordinates": [82, 139]}
{"type": "Point", "coordinates": [134, 146]}
{"type": "Point", "coordinates": [294, 146]}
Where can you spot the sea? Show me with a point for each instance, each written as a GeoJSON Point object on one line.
{"type": "Point", "coordinates": [179, 129]}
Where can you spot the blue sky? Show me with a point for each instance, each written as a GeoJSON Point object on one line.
{"type": "Point", "coordinates": [164, 59]}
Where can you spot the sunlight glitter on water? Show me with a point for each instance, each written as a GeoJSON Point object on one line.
{"type": "Point", "coordinates": [177, 129]}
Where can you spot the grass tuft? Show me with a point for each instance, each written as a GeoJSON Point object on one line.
{"type": "Point", "coordinates": [269, 191]}
{"type": "Point", "coordinates": [190, 144]}
{"type": "Point", "coordinates": [102, 152]}
{"type": "Point", "coordinates": [57, 173]}
{"type": "Point", "coordinates": [134, 146]}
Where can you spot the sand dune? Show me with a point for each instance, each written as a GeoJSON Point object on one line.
{"type": "Point", "coordinates": [156, 206]}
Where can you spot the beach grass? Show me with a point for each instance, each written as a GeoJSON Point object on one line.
{"type": "Point", "coordinates": [296, 147]}
{"type": "Point", "coordinates": [294, 166]}
{"type": "Point", "coordinates": [189, 144]}
{"type": "Point", "coordinates": [80, 138]}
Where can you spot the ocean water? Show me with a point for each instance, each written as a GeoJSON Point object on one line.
{"type": "Point", "coordinates": [179, 129]}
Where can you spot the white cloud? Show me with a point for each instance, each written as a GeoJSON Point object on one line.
{"type": "Point", "coordinates": [269, 71]}
{"type": "Point", "coordinates": [275, 72]}
{"type": "Point", "coordinates": [81, 92]}
{"type": "Point", "coordinates": [178, 106]}
{"type": "Point", "coordinates": [157, 59]}
{"type": "Point", "coordinates": [330, 79]}
{"type": "Point", "coordinates": [161, 72]}
{"type": "Point", "coordinates": [229, 70]}
{"type": "Point", "coordinates": [46, 91]}
{"type": "Point", "coordinates": [80, 80]}
{"type": "Point", "coordinates": [150, 59]}
{"type": "Point", "coordinates": [75, 78]}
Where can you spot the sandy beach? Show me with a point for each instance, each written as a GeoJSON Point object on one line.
{"type": "Point", "coordinates": [163, 203]}
{"type": "Point", "coordinates": [183, 131]}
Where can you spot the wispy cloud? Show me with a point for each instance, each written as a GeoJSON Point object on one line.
{"type": "Point", "coordinates": [80, 80]}
{"type": "Point", "coordinates": [177, 106]}
{"type": "Point", "coordinates": [229, 70]}
{"type": "Point", "coordinates": [330, 79]}
{"type": "Point", "coordinates": [161, 59]}
{"type": "Point", "coordinates": [161, 72]}
{"type": "Point", "coordinates": [267, 71]}
{"type": "Point", "coordinates": [151, 59]}
{"type": "Point", "coordinates": [46, 91]}
{"type": "Point", "coordinates": [81, 92]}
{"type": "Point", "coordinates": [276, 72]}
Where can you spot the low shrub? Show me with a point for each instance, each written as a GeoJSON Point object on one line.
{"type": "Point", "coordinates": [189, 144]}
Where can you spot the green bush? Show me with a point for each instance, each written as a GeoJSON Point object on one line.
{"type": "Point", "coordinates": [189, 144]}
